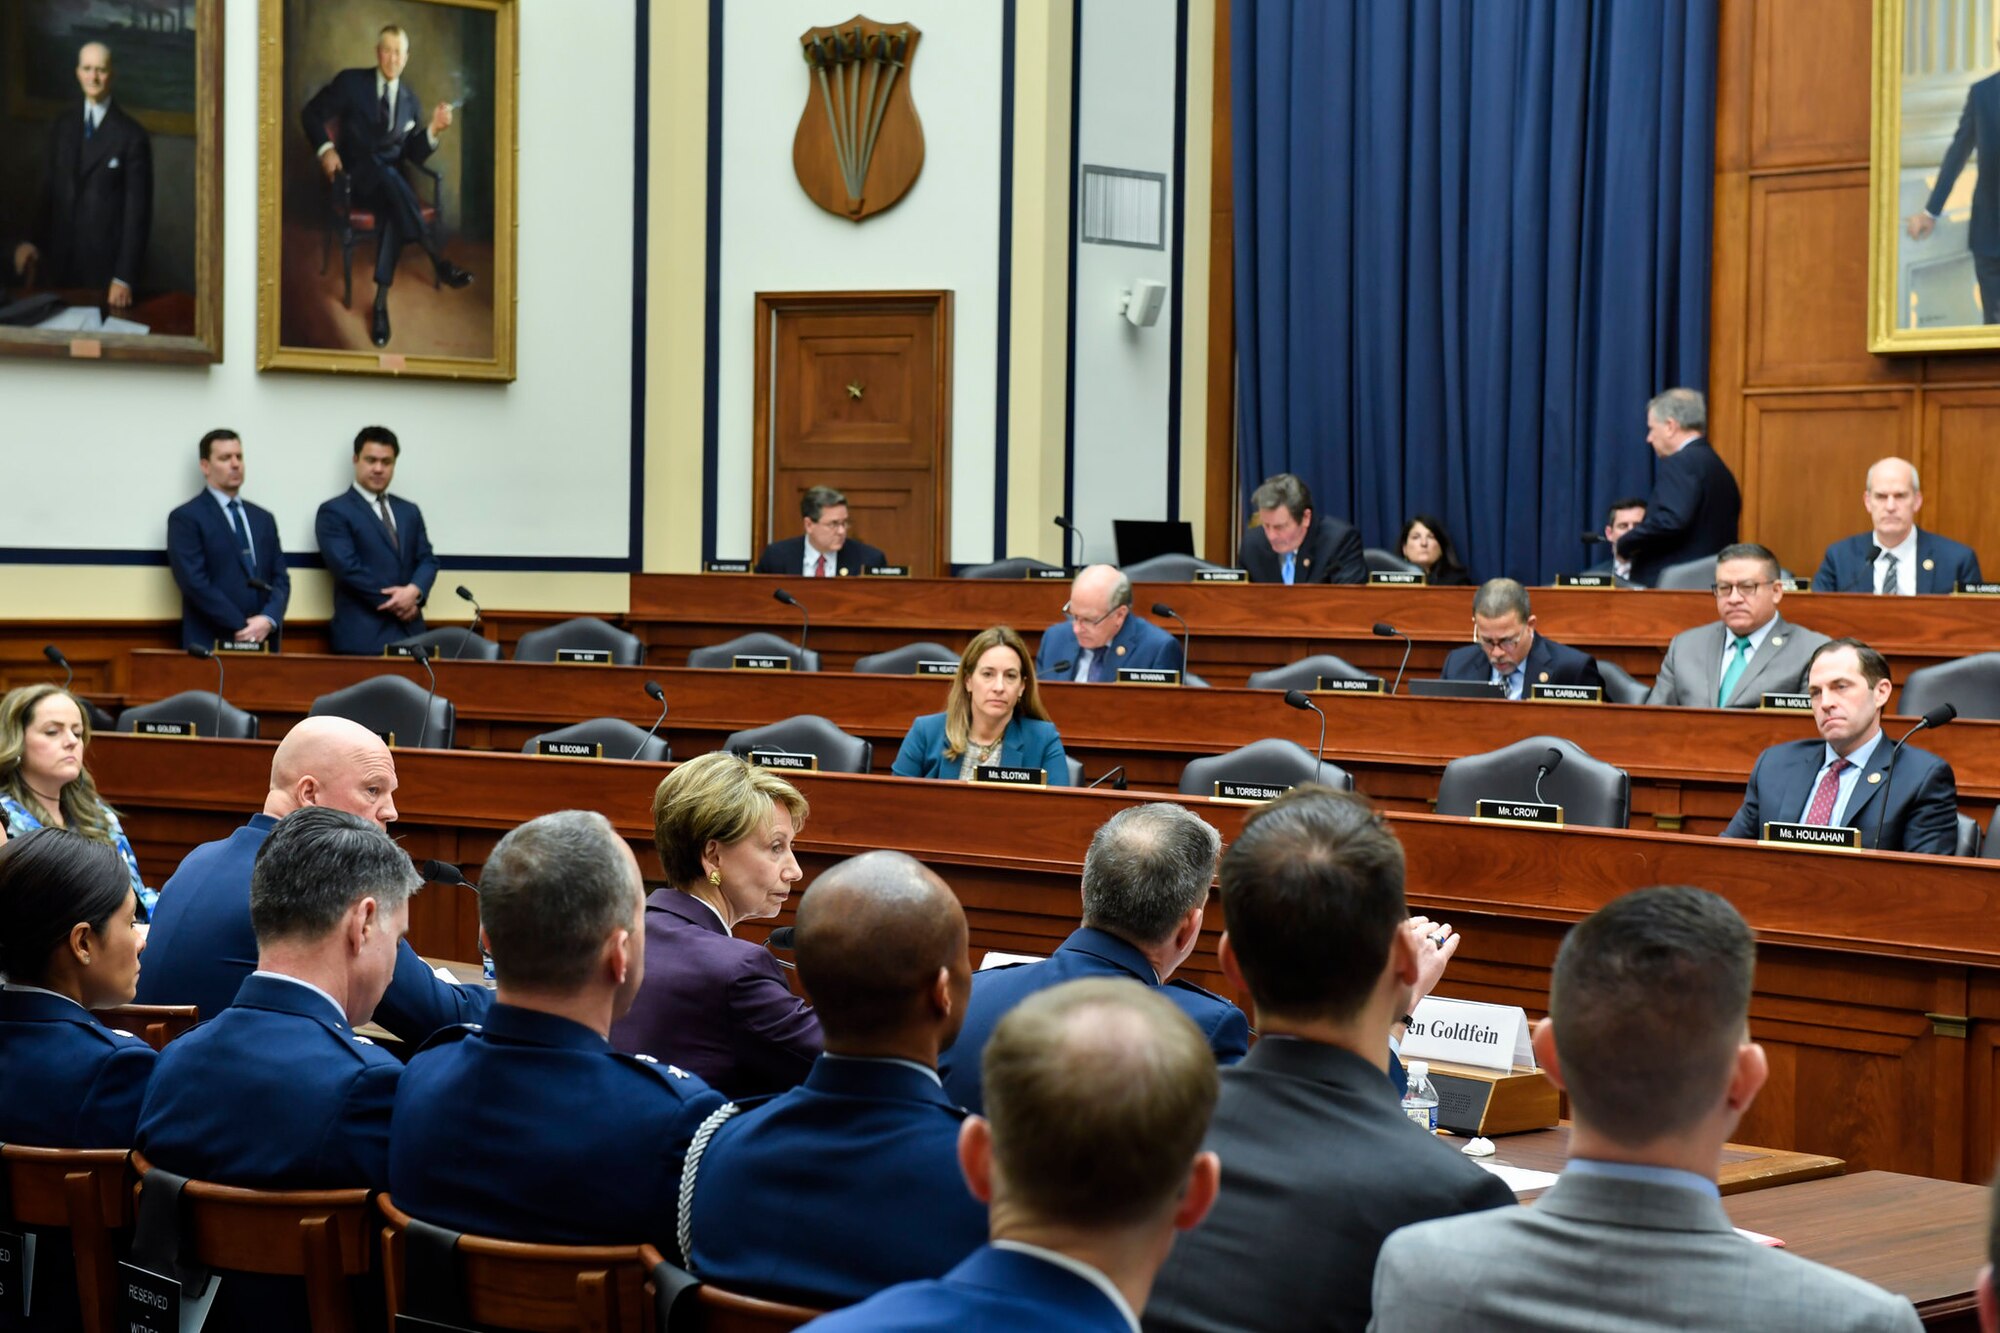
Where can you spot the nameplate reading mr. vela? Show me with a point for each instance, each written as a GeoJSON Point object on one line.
{"type": "Point", "coordinates": [1518, 812]}
{"type": "Point", "coordinates": [760, 662]}
{"type": "Point", "coordinates": [1811, 835]}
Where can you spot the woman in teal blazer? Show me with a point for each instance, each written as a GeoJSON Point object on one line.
{"type": "Point", "coordinates": [994, 716]}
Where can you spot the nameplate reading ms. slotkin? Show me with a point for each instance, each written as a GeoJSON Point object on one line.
{"type": "Point", "coordinates": [1811, 835]}
{"type": "Point", "coordinates": [1008, 775]}
{"type": "Point", "coordinates": [1517, 812]}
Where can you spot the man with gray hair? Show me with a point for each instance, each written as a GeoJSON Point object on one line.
{"type": "Point", "coordinates": [1099, 633]}
{"type": "Point", "coordinates": [823, 550]}
{"type": "Point", "coordinates": [1695, 502]}
{"type": "Point", "coordinates": [1145, 892]}
{"type": "Point", "coordinates": [1505, 650]}
{"type": "Point", "coordinates": [1291, 544]}
{"type": "Point", "coordinates": [278, 1091]}
{"type": "Point", "coordinates": [1895, 556]}
{"type": "Point", "coordinates": [529, 1126]}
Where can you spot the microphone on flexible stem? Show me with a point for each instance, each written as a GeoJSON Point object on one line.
{"type": "Point", "coordinates": [215, 657]}
{"type": "Point", "coordinates": [1300, 699]}
{"type": "Point", "coordinates": [1388, 631]}
{"type": "Point", "coordinates": [55, 654]}
{"type": "Point", "coordinates": [1187, 636]}
{"type": "Point", "coordinates": [1934, 719]}
{"type": "Point", "coordinates": [653, 688]}
{"type": "Point", "coordinates": [423, 654]}
{"type": "Point", "coordinates": [444, 872]}
{"type": "Point", "coordinates": [1069, 530]}
{"type": "Point", "coordinates": [1060, 670]}
{"type": "Point", "coordinates": [805, 625]}
{"type": "Point", "coordinates": [1551, 761]}
{"type": "Point", "coordinates": [478, 616]}
{"type": "Point", "coordinates": [1115, 772]}
{"type": "Point", "coordinates": [261, 585]}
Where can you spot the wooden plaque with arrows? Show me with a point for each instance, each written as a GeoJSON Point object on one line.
{"type": "Point", "coordinates": [859, 146]}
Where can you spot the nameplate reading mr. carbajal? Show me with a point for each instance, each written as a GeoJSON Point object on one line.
{"type": "Point", "coordinates": [1148, 676]}
{"type": "Point", "coordinates": [1811, 835]}
{"type": "Point", "coordinates": [1009, 776]}
{"type": "Point", "coordinates": [571, 749]}
{"type": "Point", "coordinates": [760, 662]}
{"type": "Point", "coordinates": [1567, 694]}
{"type": "Point", "coordinates": [1518, 812]}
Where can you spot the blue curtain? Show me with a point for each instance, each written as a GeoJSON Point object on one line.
{"type": "Point", "coordinates": [1472, 239]}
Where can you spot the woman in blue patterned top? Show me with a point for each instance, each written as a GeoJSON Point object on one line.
{"type": "Point", "coordinates": [43, 783]}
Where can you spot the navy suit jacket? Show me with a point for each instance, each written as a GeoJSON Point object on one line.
{"type": "Point", "coordinates": [1088, 952]}
{"type": "Point", "coordinates": [787, 555]}
{"type": "Point", "coordinates": [216, 596]}
{"type": "Point", "coordinates": [992, 1291]}
{"type": "Point", "coordinates": [531, 1127]}
{"type": "Point", "coordinates": [361, 559]}
{"type": "Point", "coordinates": [97, 210]}
{"type": "Point", "coordinates": [1941, 564]}
{"type": "Point", "coordinates": [66, 1080]}
{"type": "Point", "coordinates": [1692, 513]}
{"type": "Point", "coordinates": [1978, 125]}
{"type": "Point", "coordinates": [861, 1160]}
{"type": "Point", "coordinates": [1331, 553]}
{"type": "Point", "coordinates": [201, 947]}
{"type": "Point", "coordinates": [1548, 663]}
{"type": "Point", "coordinates": [716, 1005]}
{"type": "Point", "coordinates": [368, 148]}
{"type": "Point", "coordinates": [276, 1092]}
{"type": "Point", "coordinates": [1028, 742]}
{"type": "Point", "coordinates": [1922, 795]}
{"type": "Point", "coordinates": [1140, 643]}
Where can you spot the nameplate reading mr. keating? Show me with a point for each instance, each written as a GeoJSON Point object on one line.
{"type": "Point", "coordinates": [1518, 812]}
{"type": "Point", "coordinates": [1811, 835]}
{"type": "Point", "coordinates": [936, 667]}
{"type": "Point", "coordinates": [1009, 776]}
{"type": "Point", "coordinates": [1396, 576]}
{"type": "Point", "coordinates": [1567, 694]}
{"type": "Point", "coordinates": [1586, 581]}
{"type": "Point", "coordinates": [237, 646]}
{"type": "Point", "coordinates": [1148, 676]}
{"type": "Point", "coordinates": [1222, 576]}
{"type": "Point", "coordinates": [885, 571]}
{"type": "Point", "coordinates": [800, 763]}
{"type": "Point", "coordinates": [1250, 791]}
{"type": "Point", "coordinates": [584, 656]}
{"type": "Point", "coordinates": [571, 749]}
{"type": "Point", "coordinates": [1337, 685]}
{"type": "Point", "coordinates": [164, 728]}
{"type": "Point", "coordinates": [725, 566]}
{"type": "Point", "coordinates": [1776, 702]}
{"type": "Point", "coordinates": [759, 662]}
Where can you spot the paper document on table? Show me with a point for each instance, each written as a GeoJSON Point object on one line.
{"type": "Point", "coordinates": [76, 318]}
{"type": "Point", "coordinates": [995, 958]}
{"type": "Point", "coordinates": [1518, 1178]}
{"type": "Point", "coordinates": [113, 324]}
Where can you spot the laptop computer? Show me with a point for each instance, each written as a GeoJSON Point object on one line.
{"type": "Point", "coordinates": [1456, 689]}
{"type": "Point", "coordinates": [1143, 538]}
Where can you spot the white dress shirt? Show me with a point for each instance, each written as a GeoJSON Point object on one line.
{"type": "Point", "coordinates": [1906, 565]}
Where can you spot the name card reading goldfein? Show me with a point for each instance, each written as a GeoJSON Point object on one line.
{"type": "Point", "coordinates": [725, 566]}
{"type": "Point", "coordinates": [885, 571]}
{"type": "Point", "coordinates": [1776, 701]}
{"type": "Point", "coordinates": [1222, 576]}
{"type": "Point", "coordinates": [1586, 581]}
{"type": "Point", "coordinates": [760, 662]}
{"type": "Point", "coordinates": [1518, 812]}
{"type": "Point", "coordinates": [1567, 694]}
{"type": "Point", "coordinates": [584, 656]}
{"type": "Point", "coordinates": [1811, 835]}
{"type": "Point", "coordinates": [1008, 775]}
{"type": "Point", "coordinates": [1395, 576]}
{"type": "Point", "coordinates": [788, 759]}
{"type": "Point", "coordinates": [936, 667]}
{"type": "Point", "coordinates": [1250, 791]}
{"type": "Point", "coordinates": [570, 749]}
{"type": "Point", "coordinates": [1486, 1036]}
{"type": "Point", "coordinates": [1337, 685]}
{"type": "Point", "coordinates": [1978, 590]}
{"type": "Point", "coordinates": [235, 646]}
{"type": "Point", "coordinates": [163, 727]}
{"type": "Point", "coordinates": [1147, 676]}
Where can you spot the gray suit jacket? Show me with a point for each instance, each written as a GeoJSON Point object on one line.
{"type": "Point", "coordinates": [1597, 1255]}
{"type": "Point", "coordinates": [1692, 671]}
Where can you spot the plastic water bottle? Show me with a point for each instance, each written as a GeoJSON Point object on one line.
{"type": "Point", "coordinates": [1420, 1103]}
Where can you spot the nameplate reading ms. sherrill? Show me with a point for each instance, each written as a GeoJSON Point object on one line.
{"type": "Point", "coordinates": [802, 763]}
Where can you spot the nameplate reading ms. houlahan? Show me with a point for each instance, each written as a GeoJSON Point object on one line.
{"type": "Point", "coordinates": [1567, 694]}
{"type": "Point", "coordinates": [1148, 676]}
{"type": "Point", "coordinates": [1518, 812]}
{"type": "Point", "coordinates": [570, 749]}
{"type": "Point", "coordinates": [802, 763]}
{"type": "Point", "coordinates": [584, 656]}
{"type": "Point", "coordinates": [1811, 835]}
{"type": "Point", "coordinates": [1007, 775]}
{"type": "Point", "coordinates": [760, 662]}
{"type": "Point", "coordinates": [1251, 791]}
{"type": "Point", "coordinates": [1337, 685]}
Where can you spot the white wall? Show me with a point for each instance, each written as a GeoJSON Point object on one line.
{"type": "Point", "coordinates": [944, 234]}
{"type": "Point", "coordinates": [96, 454]}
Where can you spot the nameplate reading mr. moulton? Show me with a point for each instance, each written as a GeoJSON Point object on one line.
{"type": "Point", "coordinates": [1567, 694]}
{"type": "Point", "coordinates": [1811, 835]}
{"type": "Point", "coordinates": [1517, 812]}
{"type": "Point", "coordinates": [1775, 701]}
{"type": "Point", "coordinates": [1010, 775]}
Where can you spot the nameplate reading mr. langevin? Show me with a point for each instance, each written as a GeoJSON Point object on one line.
{"type": "Point", "coordinates": [1567, 694]}
{"type": "Point", "coordinates": [1147, 676]}
{"type": "Point", "coordinates": [725, 566]}
{"type": "Point", "coordinates": [1586, 581]}
{"type": "Point", "coordinates": [240, 646]}
{"type": "Point", "coordinates": [1977, 589]}
{"type": "Point", "coordinates": [570, 749]}
{"type": "Point", "coordinates": [1251, 791]}
{"type": "Point", "coordinates": [1811, 835]}
{"type": "Point", "coordinates": [1339, 685]}
{"type": "Point", "coordinates": [885, 571]}
{"type": "Point", "coordinates": [787, 759]}
{"type": "Point", "coordinates": [1774, 701]}
{"type": "Point", "coordinates": [584, 656]}
{"type": "Point", "coordinates": [1222, 576]}
{"type": "Point", "coordinates": [1009, 776]}
{"type": "Point", "coordinates": [936, 667]}
{"type": "Point", "coordinates": [164, 728]}
{"type": "Point", "coordinates": [1517, 812]}
{"type": "Point", "coordinates": [1398, 577]}
{"type": "Point", "coordinates": [760, 662]}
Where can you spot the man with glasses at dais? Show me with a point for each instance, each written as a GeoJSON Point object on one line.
{"type": "Point", "coordinates": [1753, 652]}
{"type": "Point", "coordinates": [1505, 650]}
{"type": "Point", "coordinates": [1099, 634]}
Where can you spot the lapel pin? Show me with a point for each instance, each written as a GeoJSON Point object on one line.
{"type": "Point", "coordinates": [1930, 564]}
{"type": "Point", "coordinates": [1543, 678]}
{"type": "Point", "coordinates": [1874, 778]}
{"type": "Point", "coordinates": [1777, 640]}
{"type": "Point", "coordinates": [1121, 650]}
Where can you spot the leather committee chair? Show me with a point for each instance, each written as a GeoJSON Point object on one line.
{"type": "Point", "coordinates": [1989, 846]}
{"type": "Point", "coordinates": [620, 739]}
{"type": "Point", "coordinates": [541, 645]}
{"type": "Point", "coordinates": [1171, 567]}
{"type": "Point", "coordinates": [86, 1193]}
{"type": "Point", "coordinates": [1589, 790]}
{"type": "Point", "coordinates": [1380, 561]}
{"type": "Point", "coordinates": [393, 706]}
{"type": "Point", "coordinates": [1620, 687]}
{"type": "Point", "coordinates": [1972, 684]}
{"type": "Point", "coordinates": [1304, 674]}
{"type": "Point", "coordinates": [1075, 767]}
{"type": "Point", "coordinates": [1689, 575]}
{"type": "Point", "coordinates": [347, 224]}
{"type": "Point", "coordinates": [1269, 760]}
{"type": "Point", "coordinates": [1971, 842]}
{"type": "Point", "coordinates": [155, 1024]}
{"type": "Point", "coordinates": [198, 707]}
{"type": "Point", "coordinates": [808, 733]}
{"type": "Point", "coordinates": [903, 661]}
{"type": "Point", "coordinates": [453, 643]}
{"type": "Point", "coordinates": [1015, 568]}
{"type": "Point", "coordinates": [761, 643]}
{"type": "Point", "coordinates": [683, 1303]}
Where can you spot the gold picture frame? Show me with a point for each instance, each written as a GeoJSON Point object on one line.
{"type": "Point", "coordinates": [1936, 81]}
{"type": "Point", "coordinates": [317, 238]}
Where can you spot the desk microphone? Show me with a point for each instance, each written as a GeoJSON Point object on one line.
{"type": "Point", "coordinates": [444, 872]}
{"type": "Point", "coordinates": [1300, 699]}
{"type": "Point", "coordinates": [1596, 539]}
{"type": "Point", "coordinates": [1934, 719]}
{"type": "Point", "coordinates": [1115, 772]}
{"type": "Point", "coordinates": [805, 625]}
{"type": "Point", "coordinates": [423, 654]}
{"type": "Point", "coordinates": [198, 651]}
{"type": "Point", "coordinates": [1187, 637]}
{"type": "Point", "coordinates": [1060, 671]}
{"type": "Point", "coordinates": [653, 688]}
{"type": "Point", "coordinates": [478, 616]}
{"type": "Point", "coordinates": [55, 654]}
{"type": "Point", "coordinates": [782, 938]}
{"type": "Point", "coordinates": [1069, 530]}
{"type": "Point", "coordinates": [1388, 631]}
{"type": "Point", "coordinates": [1552, 759]}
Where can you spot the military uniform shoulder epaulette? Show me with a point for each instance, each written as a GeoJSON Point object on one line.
{"type": "Point", "coordinates": [449, 1033]}
{"type": "Point", "coordinates": [672, 1075]}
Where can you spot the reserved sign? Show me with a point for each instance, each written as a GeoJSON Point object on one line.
{"type": "Point", "coordinates": [1567, 694]}
{"type": "Point", "coordinates": [1009, 776]}
{"type": "Point", "coordinates": [584, 656]}
{"type": "Point", "coordinates": [1398, 577]}
{"type": "Point", "coordinates": [1518, 812]}
{"type": "Point", "coordinates": [787, 759]}
{"type": "Point", "coordinates": [885, 571]}
{"type": "Point", "coordinates": [570, 749]}
{"type": "Point", "coordinates": [1339, 685]}
{"type": "Point", "coordinates": [1222, 576]}
{"type": "Point", "coordinates": [1811, 835]}
{"type": "Point", "coordinates": [238, 646]}
{"type": "Point", "coordinates": [1977, 590]}
{"type": "Point", "coordinates": [1586, 580]}
{"type": "Point", "coordinates": [1464, 1032]}
{"type": "Point", "coordinates": [725, 566]}
{"type": "Point", "coordinates": [163, 728]}
{"type": "Point", "coordinates": [760, 662]}
{"type": "Point", "coordinates": [17, 1274]}
{"type": "Point", "coordinates": [1776, 701]}
{"type": "Point", "coordinates": [1250, 791]}
{"type": "Point", "coordinates": [150, 1303]}
{"type": "Point", "coordinates": [935, 667]}
{"type": "Point", "coordinates": [1147, 676]}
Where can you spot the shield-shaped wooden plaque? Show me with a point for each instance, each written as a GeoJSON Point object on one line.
{"type": "Point", "coordinates": [859, 145]}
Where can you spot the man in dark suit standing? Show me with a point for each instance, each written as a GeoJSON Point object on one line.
{"type": "Point", "coordinates": [1895, 557]}
{"type": "Point", "coordinates": [97, 200]}
{"type": "Point", "coordinates": [1978, 125]}
{"type": "Point", "coordinates": [823, 550]}
{"type": "Point", "coordinates": [377, 550]}
{"type": "Point", "coordinates": [1695, 503]}
{"type": "Point", "coordinates": [1839, 779]}
{"type": "Point", "coordinates": [1506, 650]}
{"type": "Point", "coordinates": [379, 129]}
{"type": "Point", "coordinates": [1288, 545]}
{"type": "Point", "coordinates": [218, 544]}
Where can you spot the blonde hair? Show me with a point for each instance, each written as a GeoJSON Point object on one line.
{"type": "Point", "coordinates": [715, 796]}
{"type": "Point", "coordinates": [958, 709]}
{"type": "Point", "coordinates": [83, 810]}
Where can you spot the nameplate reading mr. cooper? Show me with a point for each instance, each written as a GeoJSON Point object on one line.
{"type": "Point", "coordinates": [1586, 580]}
{"type": "Point", "coordinates": [1250, 791]}
{"type": "Point", "coordinates": [584, 656]}
{"type": "Point", "coordinates": [1147, 676]}
{"type": "Point", "coordinates": [1518, 812]}
{"type": "Point", "coordinates": [164, 728]}
{"type": "Point", "coordinates": [725, 566]}
{"type": "Point", "coordinates": [1811, 835]}
{"type": "Point", "coordinates": [1398, 577]}
{"type": "Point", "coordinates": [1567, 694]}
{"type": "Point", "coordinates": [885, 571]}
{"type": "Point", "coordinates": [241, 646]}
{"type": "Point", "coordinates": [1339, 685]}
{"type": "Point", "coordinates": [786, 759]}
{"type": "Point", "coordinates": [1775, 701]}
{"type": "Point", "coordinates": [936, 667]}
{"type": "Point", "coordinates": [570, 749]}
{"type": "Point", "coordinates": [1222, 576]}
{"type": "Point", "coordinates": [760, 662]}
{"type": "Point", "coordinates": [1009, 776]}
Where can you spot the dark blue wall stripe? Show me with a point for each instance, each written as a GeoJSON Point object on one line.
{"type": "Point", "coordinates": [524, 564]}
{"type": "Point", "coordinates": [711, 402]}
{"type": "Point", "coordinates": [1003, 352]}
{"type": "Point", "coordinates": [1178, 297]}
{"type": "Point", "coordinates": [1069, 353]}
{"type": "Point", "coordinates": [641, 152]}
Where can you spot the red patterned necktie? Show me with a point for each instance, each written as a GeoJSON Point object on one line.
{"type": "Point", "coordinates": [819, 570]}
{"type": "Point", "coordinates": [1821, 809]}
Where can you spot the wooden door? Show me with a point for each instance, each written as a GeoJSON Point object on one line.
{"type": "Point", "coordinates": [854, 392]}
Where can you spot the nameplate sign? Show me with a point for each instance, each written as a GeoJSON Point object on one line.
{"type": "Point", "coordinates": [240, 646]}
{"type": "Point", "coordinates": [1251, 791]}
{"type": "Point", "coordinates": [398, 650]}
{"type": "Point", "coordinates": [150, 1303]}
{"type": "Point", "coordinates": [584, 656]}
{"type": "Point", "coordinates": [936, 667]}
{"type": "Point", "coordinates": [164, 728]}
{"type": "Point", "coordinates": [1977, 590]}
{"type": "Point", "coordinates": [725, 566]}
{"type": "Point", "coordinates": [1795, 585]}
{"type": "Point", "coordinates": [1586, 580]}
{"type": "Point", "coordinates": [1811, 835]}
{"type": "Point", "coordinates": [786, 759]}
{"type": "Point", "coordinates": [1567, 694]}
{"type": "Point", "coordinates": [17, 1274]}
{"type": "Point", "coordinates": [1464, 1032]}
{"type": "Point", "coordinates": [1775, 701]}
{"type": "Point", "coordinates": [570, 749]}
{"type": "Point", "coordinates": [1396, 577]}
{"type": "Point", "coordinates": [1222, 576]}
{"type": "Point", "coordinates": [1517, 812]}
{"type": "Point", "coordinates": [1339, 685]}
{"type": "Point", "coordinates": [1007, 775]}
{"type": "Point", "coordinates": [760, 662]}
{"type": "Point", "coordinates": [1148, 676]}
{"type": "Point", "coordinates": [1048, 573]}
{"type": "Point", "coordinates": [885, 571]}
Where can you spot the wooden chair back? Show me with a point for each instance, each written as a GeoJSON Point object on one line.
{"type": "Point", "coordinates": [87, 1191]}
{"type": "Point", "coordinates": [156, 1024]}
{"type": "Point", "coordinates": [718, 1311]}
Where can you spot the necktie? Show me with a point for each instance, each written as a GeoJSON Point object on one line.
{"type": "Point", "coordinates": [1734, 671]}
{"type": "Point", "coordinates": [1888, 588]}
{"type": "Point", "coordinates": [89, 125]}
{"type": "Point", "coordinates": [388, 521]}
{"type": "Point", "coordinates": [1820, 810]}
{"type": "Point", "coordinates": [387, 111]}
{"type": "Point", "coordinates": [1512, 680]}
{"type": "Point", "coordinates": [242, 536]}
{"type": "Point", "coordinates": [1100, 666]}
{"type": "Point", "coordinates": [819, 567]}
{"type": "Point", "coordinates": [1289, 557]}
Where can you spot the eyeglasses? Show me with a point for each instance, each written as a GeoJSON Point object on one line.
{"type": "Point", "coordinates": [840, 523]}
{"type": "Point", "coordinates": [1747, 589]}
{"type": "Point", "coordinates": [1076, 619]}
{"type": "Point", "coordinates": [1496, 645]}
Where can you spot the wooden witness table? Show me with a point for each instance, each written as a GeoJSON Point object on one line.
{"type": "Point", "coordinates": [1744, 1168]}
{"type": "Point", "coordinates": [1878, 981]}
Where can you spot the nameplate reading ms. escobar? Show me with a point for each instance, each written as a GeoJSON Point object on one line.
{"type": "Point", "coordinates": [936, 667]}
{"type": "Point", "coordinates": [1222, 576]}
{"type": "Point", "coordinates": [760, 662]}
{"type": "Point", "coordinates": [1517, 812]}
{"type": "Point", "coordinates": [1978, 590]}
{"type": "Point", "coordinates": [164, 728]}
{"type": "Point", "coordinates": [1148, 676]}
{"type": "Point", "coordinates": [1586, 581]}
{"type": "Point", "coordinates": [237, 646]}
{"type": "Point", "coordinates": [725, 566]}
{"type": "Point", "coordinates": [570, 749]}
{"type": "Point", "coordinates": [1047, 573]}
{"type": "Point", "coordinates": [1398, 577]}
{"type": "Point", "coordinates": [1337, 685]}
{"type": "Point", "coordinates": [1250, 791]}
{"type": "Point", "coordinates": [1776, 701]}
{"type": "Point", "coordinates": [1811, 835]}
{"type": "Point", "coordinates": [1567, 694]}
{"type": "Point", "coordinates": [1008, 776]}
{"type": "Point", "coordinates": [799, 763]}
{"type": "Point", "coordinates": [885, 571]}
{"type": "Point", "coordinates": [584, 656]}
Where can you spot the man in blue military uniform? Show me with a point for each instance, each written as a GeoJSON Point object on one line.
{"type": "Point", "coordinates": [1099, 633]}
{"type": "Point", "coordinates": [225, 555]}
{"type": "Point", "coordinates": [862, 1159]}
{"type": "Point", "coordinates": [530, 1126]}
{"type": "Point", "coordinates": [1145, 887]}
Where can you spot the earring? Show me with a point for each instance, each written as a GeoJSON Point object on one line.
{"type": "Point", "coordinates": [715, 879]}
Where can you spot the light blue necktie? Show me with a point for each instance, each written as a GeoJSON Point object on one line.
{"type": "Point", "coordinates": [1512, 680]}
{"type": "Point", "coordinates": [1290, 556]}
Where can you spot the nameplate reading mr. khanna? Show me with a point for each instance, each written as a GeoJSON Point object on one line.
{"type": "Point", "coordinates": [1250, 791]}
{"type": "Point", "coordinates": [1811, 835]}
{"type": "Point", "coordinates": [1222, 576]}
{"type": "Point", "coordinates": [936, 667]}
{"type": "Point", "coordinates": [584, 656]}
{"type": "Point", "coordinates": [570, 749]}
{"type": "Point", "coordinates": [164, 728]}
{"type": "Point", "coordinates": [1518, 812]}
{"type": "Point", "coordinates": [1008, 775]}
{"type": "Point", "coordinates": [800, 763]}
{"type": "Point", "coordinates": [1395, 576]}
{"type": "Point", "coordinates": [1148, 676]}
{"type": "Point", "coordinates": [760, 662]}
{"type": "Point", "coordinates": [1338, 685]}
{"type": "Point", "coordinates": [1567, 694]}
{"type": "Point", "coordinates": [1775, 701]}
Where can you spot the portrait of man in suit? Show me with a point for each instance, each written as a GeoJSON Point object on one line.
{"type": "Point", "coordinates": [97, 207]}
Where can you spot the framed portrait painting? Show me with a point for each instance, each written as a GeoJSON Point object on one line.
{"type": "Point", "coordinates": [111, 179]}
{"type": "Point", "coordinates": [385, 187]}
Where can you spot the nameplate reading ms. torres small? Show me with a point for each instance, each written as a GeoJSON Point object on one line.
{"type": "Point", "coordinates": [1338, 685]}
{"type": "Point", "coordinates": [760, 662]}
{"type": "Point", "coordinates": [1009, 776]}
{"type": "Point", "coordinates": [584, 656]}
{"type": "Point", "coordinates": [798, 763]}
{"type": "Point", "coordinates": [1222, 576]}
{"type": "Point", "coordinates": [1250, 791]}
{"type": "Point", "coordinates": [936, 667]}
{"type": "Point", "coordinates": [570, 749]}
{"type": "Point", "coordinates": [885, 571]}
{"type": "Point", "coordinates": [1148, 676]}
{"type": "Point", "coordinates": [1518, 812]}
{"type": "Point", "coordinates": [1811, 835]}
{"type": "Point", "coordinates": [725, 566]}
{"type": "Point", "coordinates": [1395, 576]}
{"type": "Point", "coordinates": [164, 728]}
{"type": "Point", "coordinates": [1586, 581]}
{"type": "Point", "coordinates": [1774, 701]}
{"type": "Point", "coordinates": [1567, 694]}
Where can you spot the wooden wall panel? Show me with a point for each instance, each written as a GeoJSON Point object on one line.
{"type": "Point", "coordinates": [1810, 102]}
{"type": "Point", "coordinates": [1962, 468]}
{"type": "Point", "coordinates": [1808, 306]}
{"type": "Point", "coordinates": [1806, 458]}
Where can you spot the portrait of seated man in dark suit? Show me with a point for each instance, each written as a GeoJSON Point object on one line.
{"type": "Point", "coordinates": [97, 196]}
